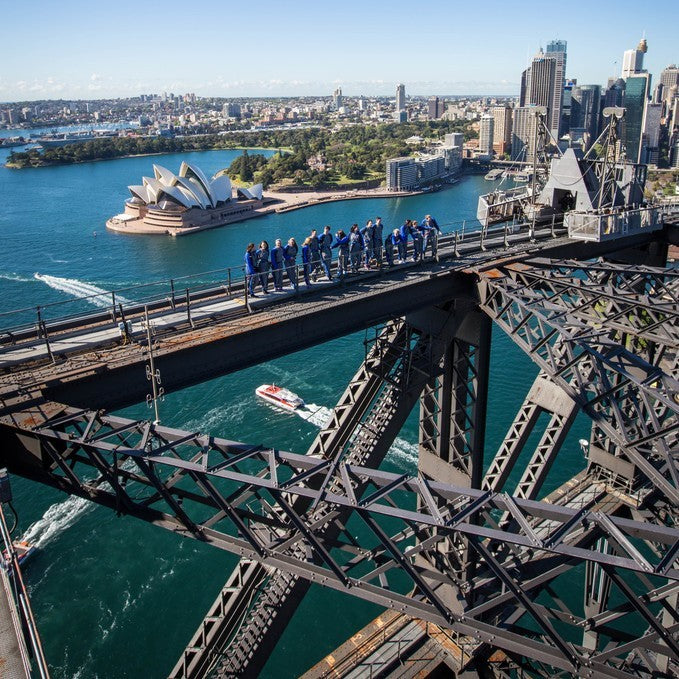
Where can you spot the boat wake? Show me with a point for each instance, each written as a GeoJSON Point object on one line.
{"type": "Point", "coordinates": [56, 519]}
{"type": "Point", "coordinates": [402, 452]}
{"type": "Point", "coordinates": [87, 291]}
{"type": "Point", "coordinates": [15, 277]}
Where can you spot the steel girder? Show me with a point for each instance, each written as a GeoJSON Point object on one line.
{"type": "Point", "coordinates": [191, 483]}
{"type": "Point", "coordinates": [561, 324]}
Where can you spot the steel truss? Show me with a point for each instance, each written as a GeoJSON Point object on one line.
{"type": "Point", "coordinates": [509, 555]}
{"type": "Point", "coordinates": [222, 492]}
{"type": "Point", "coordinates": [622, 374]}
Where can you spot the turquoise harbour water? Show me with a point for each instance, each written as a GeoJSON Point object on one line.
{"type": "Point", "coordinates": [115, 597]}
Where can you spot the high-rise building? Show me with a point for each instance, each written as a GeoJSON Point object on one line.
{"type": "Point", "coordinates": [557, 50]}
{"type": "Point", "coordinates": [400, 97]}
{"type": "Point", "coordinates": [523, 133]}
{"type": "Point", "coordinates": [636, 97]}
{"type": "Point", "coordinates": [633, 60]}
{"type": "Point", "coordinates": [435, 108]}
{"type": "Point", "coordinates": [586, 110]}
{"type": "Point", "coordinates": [502, 129]}
{"type": "Point", "coordinates": [669, 78]}
{"type": "Point", "coordinates": [337, 99]}
{"type": "Point", "coordinates": [542, 84]}
{"type": "Point", "coordinates": [566, 105]}
{"type": "Point", "coordinates": [454, 139]}
{"type": "Point", "coordinates": [486, 135]}
{"type": "Point", "coordinates": [615, 92]}
{"type": "Point", "coordinates": [651, 138]}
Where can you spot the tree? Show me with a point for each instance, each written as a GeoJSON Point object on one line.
{"type": "Point", "coordinates": [245, 169]}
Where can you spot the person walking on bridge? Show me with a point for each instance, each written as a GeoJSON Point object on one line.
{"type": "Point", "coordinates": [315, 254]}
{"type": "Point", "coordinates": [325, 243]}
{"type": "Point", "coordinates": [391, 243]}
{"type": "Point", "coordinates": [277, 263]}
{"type": "Point", "coordinates": [432, 231]}
{"type": "Point", "coordinates": [355, 248]}
{"type": "Point", "coordinates": [250, 270]}
{"type": "Point", "coordinates": [417, 236]}
{"type": "Point", "coordinates": [263, 264]}
{"type": "Point", "coordinates": [377, 240]}
{"type": "Point", "coordinates": [289, 255]}
{"type": "Point", "coordinates": [402, 244]}
{"type": "Point", "coordinates": [368, 233]}
{"type": "Point", "coordinates": [342, 243]}
{"type": "Point", "coordinates": [306, 260]}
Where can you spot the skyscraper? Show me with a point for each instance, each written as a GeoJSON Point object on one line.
{"type": "Point", "coordinates": [633, 60]}
{"type": "Point", "coordinates": [400, 97]}
{"type": "Point", "coordinates": [669, 78]}
{"type": "Point", "coordinates": [651, 139]}
{"type": "Point", "coordinates": [435, 108]}
{"type": "Point", "coordinates": [542, 83]}
{"type": "Point", "coordinates": [502, 129]}
{"type": "Point", "coordinates": [557, 50]}
{"type": "Point", "coordinates": [486, 135]}
{"type": "Point", "coordinates": [585, 110]}
{"type": "Point", "coordinates": [337, 99]}
{"type": "Point", "coordinates": [523, 133]}
{"type": "Point", "coordinates": [636, 97]}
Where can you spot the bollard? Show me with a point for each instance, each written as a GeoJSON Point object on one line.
{"type": "Point", "coordinates": [506, 240]}
{"type": "Point", "coordinates": [188, 308]}
{"type": "Point", "coordinates": [113, 301]}
{"type": "Point", "coordinates": [456, 252]}
{"type": "Point", "coordinates": [172, 299]}
{"type": "Point", "coordinates": [531, 231]}
{"type": "Point", "coordinates": [229, 282]}
{"type": "Point", "coordinates": [464, 221]}
{"type": "Point", "coordinates": [553, 219]}
{"type": "Point", "coordinates": [483, 245]}
{"type": "Point", "coordinates": [39, 325]}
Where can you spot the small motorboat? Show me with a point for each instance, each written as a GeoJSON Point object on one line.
{"type": "Point", "coordinates": [283, 398]}
{"type": "Point", "coordinates": [23, 550]}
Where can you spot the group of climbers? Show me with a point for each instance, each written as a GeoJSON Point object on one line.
{"type": "Point", "coordinates": [360, 248]}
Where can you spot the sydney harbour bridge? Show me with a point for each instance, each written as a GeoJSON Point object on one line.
{"type": "Point", "coordinates": [479, 575]}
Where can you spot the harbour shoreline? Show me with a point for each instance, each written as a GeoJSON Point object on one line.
{"type": "Point", "coordinates": [275, 202]}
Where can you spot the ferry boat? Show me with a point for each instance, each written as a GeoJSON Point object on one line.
{"type": "Point", "coordinates": [283, 398]}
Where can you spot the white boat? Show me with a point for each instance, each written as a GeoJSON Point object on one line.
{"type": "Point", "coordinates": [283, 398]}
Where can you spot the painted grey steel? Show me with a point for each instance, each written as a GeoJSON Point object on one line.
{"type": "Point", "coordinates": [446, 545]}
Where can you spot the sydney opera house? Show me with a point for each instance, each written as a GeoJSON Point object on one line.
{"type": "Point", "coordinates": [184, 202]}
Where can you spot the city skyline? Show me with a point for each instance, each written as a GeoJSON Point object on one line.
{"type": "Point", "coordinates": [103, 53]}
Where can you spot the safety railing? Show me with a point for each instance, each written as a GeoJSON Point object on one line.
{"type": "Point", "coordinates": [183, 292]}
{"type": "Point", "coordinates": [19, 605]}
{"type": "Point", "coordinates": [612, 224]}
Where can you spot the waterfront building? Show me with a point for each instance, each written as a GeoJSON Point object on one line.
{"type": "Point", "coordinates": [186, 200]}
{"type": "Point", "coordinates": [502, 129]}
{"type": "Point", "coordinates": [636, 97]}
{"type": "Point", "coordinates": [486, 135]}
{"type": "Point", "coordinates": [523, 133]}
{"type": "Point", "coordinates": [400, 97]}
{"type": "Point", "coordinates": [586, 111]}
{"type": "Point", "coordinates": [401, 174]}
{"type": "Point", "coordinates": [633, 60]}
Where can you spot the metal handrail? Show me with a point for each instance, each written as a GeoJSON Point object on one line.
{"type": "Point", "coordinates": [235, 275]}
{"type": "Point", "coordinates": [22, 607]}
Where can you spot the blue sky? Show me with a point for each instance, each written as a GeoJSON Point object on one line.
{"type": "Point", "coordinates": [74, 50]}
